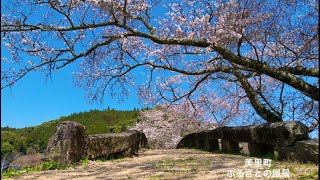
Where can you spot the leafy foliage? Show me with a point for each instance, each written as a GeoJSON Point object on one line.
{"type": "Point", "coordinates": [34, 139]}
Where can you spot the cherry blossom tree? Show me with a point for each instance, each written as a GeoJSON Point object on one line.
{"type": "Point", "coordinates": [164, 128]}
{"type": "Point", "coordinates": [232, 61]}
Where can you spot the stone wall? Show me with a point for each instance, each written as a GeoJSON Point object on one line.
{"type": "Point", "coordinates": [287, 140]}
{"type": "Point", "coordinates": [69, 144]}
{"type": "Point", "coordinates": [126, 143]}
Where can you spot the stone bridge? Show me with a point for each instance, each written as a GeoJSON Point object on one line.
{"type": "Point", "coordinates": [287, 140]}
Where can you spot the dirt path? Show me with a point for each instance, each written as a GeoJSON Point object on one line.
{"type": "Point", "coordinates": [154, 164]}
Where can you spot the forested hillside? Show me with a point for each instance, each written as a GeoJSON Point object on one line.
{"type": "Point", "coordinates": [34, 139]}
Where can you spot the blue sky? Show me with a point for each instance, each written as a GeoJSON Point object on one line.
{"type": "Point", "coordinates": [34, 100]}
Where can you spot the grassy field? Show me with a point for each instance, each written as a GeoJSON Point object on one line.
{"type": "Point", "coordinates": [171, 164]}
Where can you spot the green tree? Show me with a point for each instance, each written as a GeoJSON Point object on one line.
{"type": "Point", "coordinates": [6, 149]}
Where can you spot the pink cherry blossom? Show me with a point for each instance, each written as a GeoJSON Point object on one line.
{"type": "Point", "coordinates": [228, 62]}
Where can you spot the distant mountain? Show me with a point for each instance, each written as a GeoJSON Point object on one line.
{"type": "Point", "coordinates": [34, 139]}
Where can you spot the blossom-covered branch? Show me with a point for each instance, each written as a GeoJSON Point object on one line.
{"type": "Point", "coordinates": [231, 61]}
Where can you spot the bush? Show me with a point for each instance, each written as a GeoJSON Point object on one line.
{"type": "Point", "coordinates": [50, 165]}
{"type": "Point", "coordinates": [6, 149]}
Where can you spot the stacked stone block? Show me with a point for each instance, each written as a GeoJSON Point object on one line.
{"type": "Point", "coordinates": [287, 140]}
{"type": "Point", "coordinates": [70, 144]}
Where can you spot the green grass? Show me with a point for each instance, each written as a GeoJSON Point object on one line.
{"type": "Point", "coordinates": [155, 177]}
{"type": "Point", "coordinates": [84, 161]}
{"type": "Point", "coordinates": [314, 175]}
{"type": "Point", "coordinates": [188, 164]}
{"type": "Point", "coordinates": [298, 170]}
{"type": "Point", "coordinates": [49, 165]}
{"type": "Point", "coordinates": [172, 162]}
